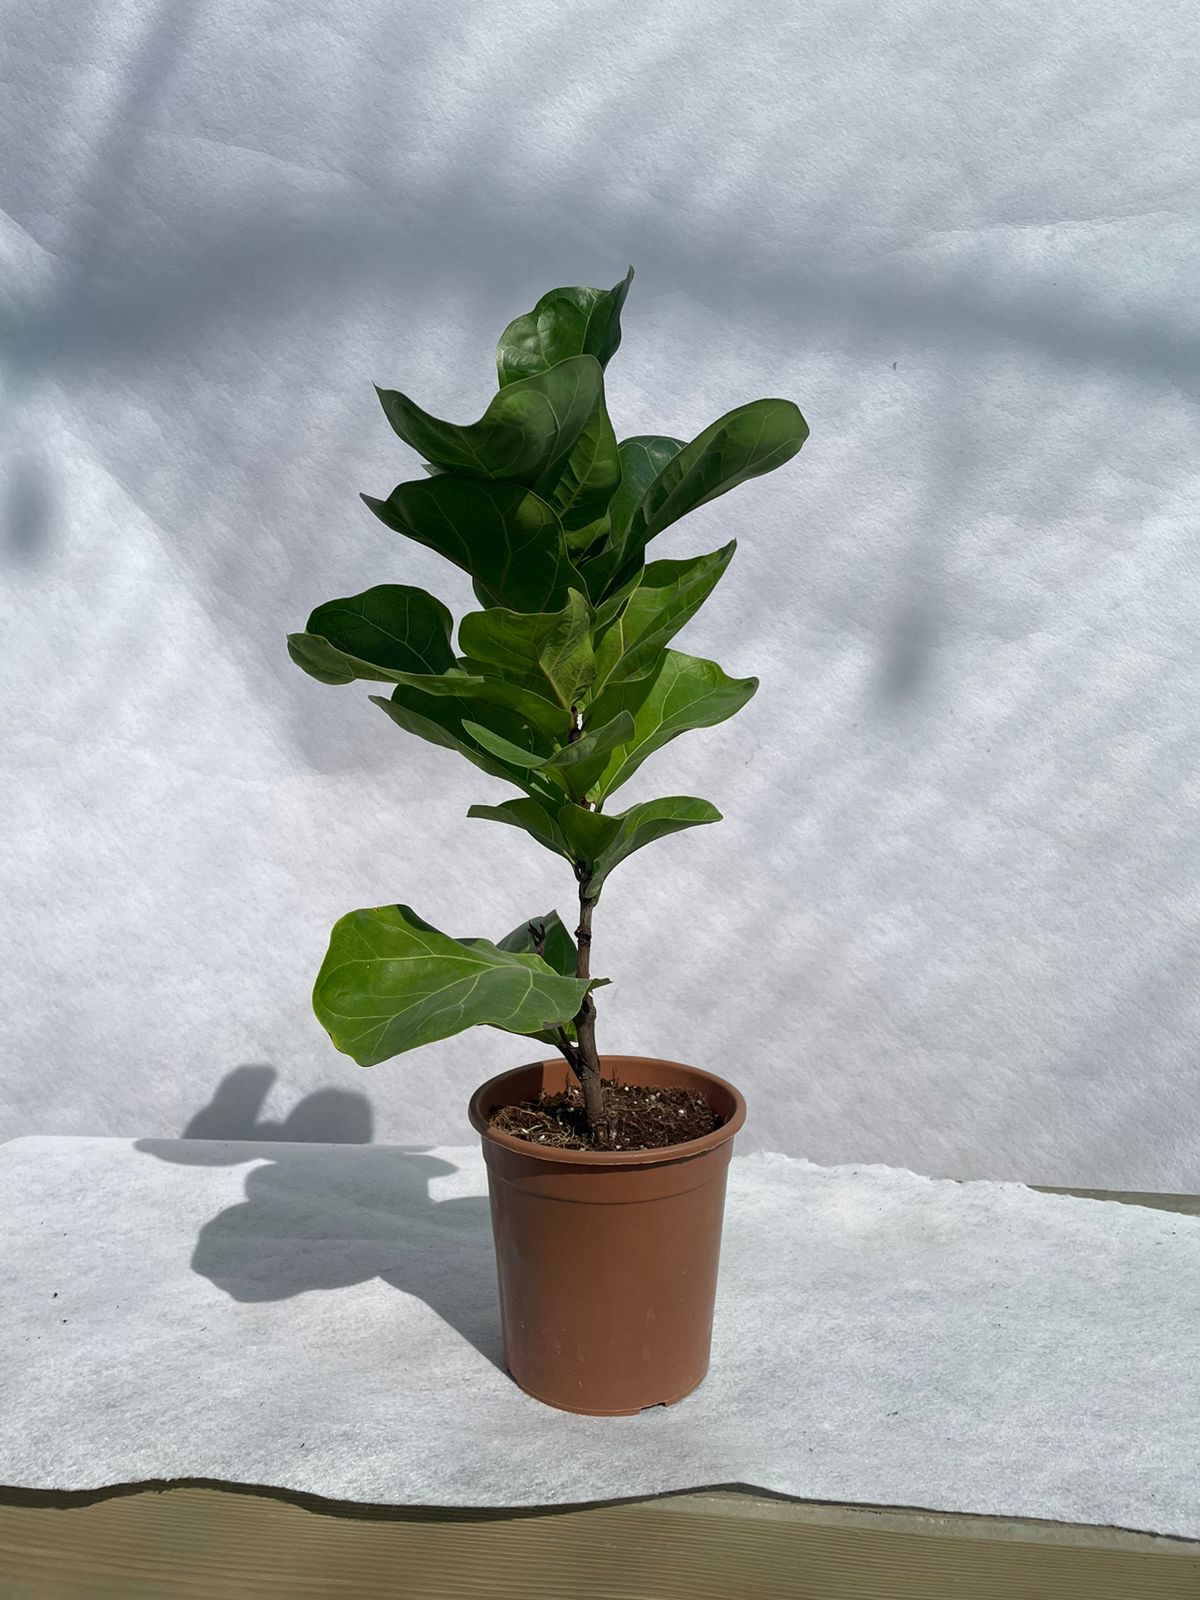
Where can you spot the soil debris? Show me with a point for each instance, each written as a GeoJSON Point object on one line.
{"type": "Point", "coordinates": [638, 1117]}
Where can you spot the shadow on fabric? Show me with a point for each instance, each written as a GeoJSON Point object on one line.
{"type": "Point", "coordinates": [325, 1216]}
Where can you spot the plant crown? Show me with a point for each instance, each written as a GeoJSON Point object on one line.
{"type": "Point", "coordinates": [563, 682]}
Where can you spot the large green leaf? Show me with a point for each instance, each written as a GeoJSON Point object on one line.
{"type": "Point", "coordinates": [391, 626]}
{"type": "Point", "coordinates": [564, 323]}
{"type": "Point", "coordinates": [519, 695]}
{"type": "Point", "coordinates": [668, 595]}
{"type": "Point", "coordinates": [390, 982]}
{"type": "Point", "coordinates": [555, 646]}
{"type": "Point", "coordinates": [393, 634]}
{"type": "Point", "coordinates": [595, 841]}
{"type": "Point", "coordinates": [574, 766]}
{"type": "Point", "coordinates": [586, 482]}
{"type": "Point", "coordinates": [743, 444]}
{"type": "Point", "coordinates": [601, 842]}
{"type": "Point", "coordinates": [439, 719]}
{"type": "Point", "coordinates": [509, 751]}
{"type": "Point", "coordinates": [541, 716]}
{"type": "Point", "coordinates": [683, 692]}
{"type": "Point", "coordinates": [526, 434]}
{"type": "Point", "coordinates": [558, 948]}
{"type": "Point", "coordinates": [559, 951]}
{"type": "Point", "coordinates": [538, 819]}
{"type": "Point", "coordinates": [523, 695]}
{"type": "Point", "coordinates": [643, 458]}
{"type": "Point", "coordinates": [610, 608]}
{"type": "Point", "coordinates": [577, 765]}
{"type": "Point", "coordinates": [459, 683]}
{"type": "Point", "coordinates": [506, 537]}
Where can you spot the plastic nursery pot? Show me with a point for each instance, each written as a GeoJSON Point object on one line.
{"type": "Point", "coordinates": [607, 1260]}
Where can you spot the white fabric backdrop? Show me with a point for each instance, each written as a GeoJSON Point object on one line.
{"type": "Point", "coordinates": [950, 921]}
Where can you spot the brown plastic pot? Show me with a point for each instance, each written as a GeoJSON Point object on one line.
{"type": "Point", "coordinates": [607, 1260]}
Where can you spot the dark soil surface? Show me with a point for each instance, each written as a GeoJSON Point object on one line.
{"type": "Point", "coordinates": [639, 1118]}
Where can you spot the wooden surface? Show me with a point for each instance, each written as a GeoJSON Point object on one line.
{"type": "Point", "coordinates": [154, 1542]}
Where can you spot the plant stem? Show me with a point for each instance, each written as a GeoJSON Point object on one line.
{"type": "Point", "coordinates": [587, 1067]}
{"type": "Point", "coordinates": [568, 1052]}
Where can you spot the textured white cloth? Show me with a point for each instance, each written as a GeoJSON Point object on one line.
{"type": "Point", "coordinates": [950, 922]}
{"type": "Point", "coordinates": [325, 1319]}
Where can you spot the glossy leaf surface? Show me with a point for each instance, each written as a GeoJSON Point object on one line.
{"type": "Point", "coordinates": [641, 458]}
{"type": "Point", "coordinates": [578, 765]}
{"type": "Point", "coordinates": [559, 950]}
{"type": "Point", "coordinates": [602, 842]}
{"type": "Point", "coordinates": [667, 596]}
{"type": "Point", "coordinates": [554, 647]}
{"type": "Point", "coordinates": [527, 433]}
{"type": "Point", "coordinates": [534, 817]}
{"type": "Point", "coordinates": [564, 323]}
{"type": "Point", "coordinates": [390, 982]}
{"type": "Point", "coordinates": [683, 692]}
{"type": "Point", "coordinates": [509, 540]}
{"type": "Point", "coordinates": [391, 627]}
{"type": "Point", "coordinates": [440, 719]}
{"type": "Point", "coordinates": [744, 443]}
{"type": "Point", "coordinates": [508, 751]}
{"type": "Point", "coordinates": [586, 483]}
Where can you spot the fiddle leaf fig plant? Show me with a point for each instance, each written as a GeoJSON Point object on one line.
{"type": "Point", "coordinates": [563, 682]}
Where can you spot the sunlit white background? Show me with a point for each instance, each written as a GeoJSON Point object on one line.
{"type": "Point", "coordinates": [951, 919]}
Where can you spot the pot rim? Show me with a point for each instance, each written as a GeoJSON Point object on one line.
{"type": "Point", "coordinates": [609, 1158]}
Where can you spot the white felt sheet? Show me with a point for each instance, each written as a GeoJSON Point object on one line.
{"type": "Point", "coordinates": [324, 1318]}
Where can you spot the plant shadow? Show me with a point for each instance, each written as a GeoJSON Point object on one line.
{"type": "Point", "coordinates": [325, 1216]}
{"type": "Point", "coordinates": [327, 1116]}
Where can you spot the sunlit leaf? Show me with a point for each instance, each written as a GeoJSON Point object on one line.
{"type": "Point", "coordinates": [390, 982]}
{"type": "Point", "coordinates": [564, 323]}
{"type": "Point", "coordinates": [509, 540]}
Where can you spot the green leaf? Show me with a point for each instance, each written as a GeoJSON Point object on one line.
{"type": "Point", "coordinates": [573, 765]}
{"type": "Point", "coordinates": [667, 596]}
{"type": "Point", "coordinates": [559, 952]}
{"type": "Point", "coordinates": [564, 323]}
{"type": "Point", "coordinates": [506, 750]}
{"type": "Point", "coordinates": [578, 765]}
{"type": "Point", "coordinates": [388, 628]}
{"type": "Point", "coordinates": [390, 982]}
{"type": "Point", "coordinates": [509, 540]}
{"type": "Point", "coordinates": [394, 634]}
{"type": "Point", "coordinates": [595, 741]}
{"type": "Point", "coordinates": [439, 719]}
{"type": "Point", "coordinates": [526, 434]}
{"type": "Point", "coordinates": [642, 459]}
{"type": "Point", "coordinates": [521, 697]}
{"type": "Point", "coordinates": [555, 646]}
{"type": "Point", "coordinates": [533, 817]}
{"type": "Point", "coordinates": [593, 840]}
{"type": "Point", "coordinates": [321, 660]}
{"type": "Point", "coordinates": [743, 444]}
{"type": "Point", "coordinates": [559, 949]}
{"type": "Point", "coordinates": [683, 692]}
{"type": "Point", "coordinates": [610, 608]}
{"type": "Point", "coordinates": [484, 687]}
{"type": "Point", "coordinates": [601, 842]}
{"type": "Point", "coordinates": [530, 706]}
{"type": "Point", "coordinates": [586, 483]}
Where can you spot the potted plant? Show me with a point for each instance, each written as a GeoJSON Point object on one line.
{"type": "Point", "coordinates": [606, 1173]}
